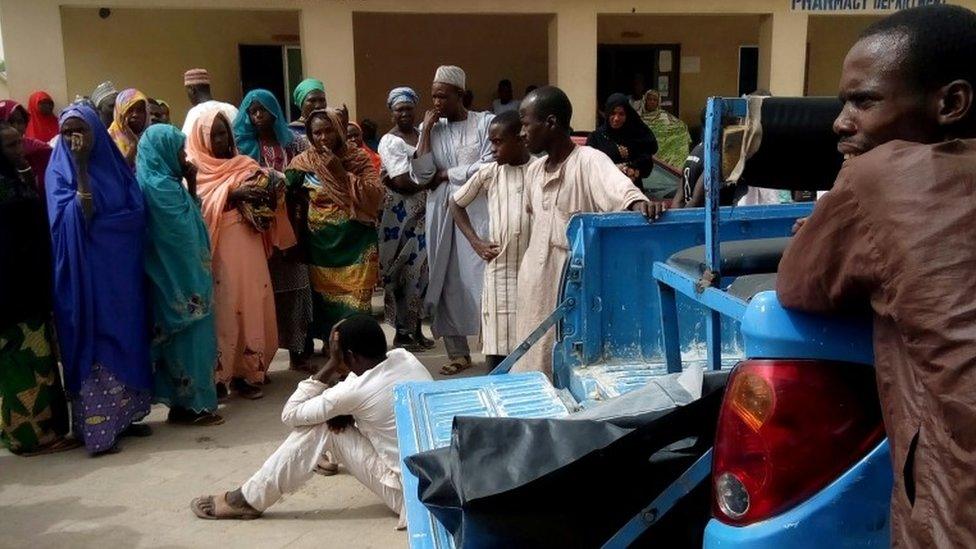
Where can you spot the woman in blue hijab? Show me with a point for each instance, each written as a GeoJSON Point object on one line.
{"type": "Point", "coordinates": [261, 131]}
{"type": "Point", "coordinates": [98, 226]}
{"type": "Point", "coordinates": [184, 347]}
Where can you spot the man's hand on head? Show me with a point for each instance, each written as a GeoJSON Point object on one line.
{"type": "Point", "coordinates": [651, 210]}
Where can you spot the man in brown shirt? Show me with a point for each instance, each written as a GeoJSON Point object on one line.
{"type": "Point", "coordinates": [898, 235]}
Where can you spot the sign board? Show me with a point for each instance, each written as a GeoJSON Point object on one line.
{"type": "Point", "coordinates": [858, 6]}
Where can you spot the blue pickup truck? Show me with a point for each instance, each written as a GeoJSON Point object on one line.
{"type": "Point", "coordinates": [799, 457]}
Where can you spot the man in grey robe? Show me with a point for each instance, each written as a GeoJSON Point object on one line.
{"type": "Point", "coordinates": [453, 145]}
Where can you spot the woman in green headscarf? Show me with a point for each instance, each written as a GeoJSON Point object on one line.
{"type": "Point", "coordinates": [673, 139]}
{"type": "Point", "coordinates": [184, 349]}
{"type": "Point", "coordinates": [309, 95]}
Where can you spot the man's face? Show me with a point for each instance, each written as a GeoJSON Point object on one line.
{"type": "Point", "coordinates": [535, 132]}
{"type": "Point", "coordinates": [315, 100]}
{"type": "Point", "coordinates": [507, 146]}
{"type": "Point", "coordinates": [881, 103]}
{"type": "Point", "coordinates": [446, 98]}
{"type": "Point", "coordinates": [106, 109]}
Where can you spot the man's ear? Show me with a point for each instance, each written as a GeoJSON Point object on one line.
{"type": "Point", "coordinates": [551, 122]}
{"type": "Point", "coordinates": [955, 103]}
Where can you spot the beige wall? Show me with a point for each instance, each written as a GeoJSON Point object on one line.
{"type": "Point", "coordinates": [830, 37]}
{"type": "Point", "coordinates": [405, 50]}
{"type": "Point", "coordinates": [714, 39]}
{"type": "Point", "coordinates": [150, 49]}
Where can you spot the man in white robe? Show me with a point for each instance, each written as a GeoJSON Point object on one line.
{"type": "Point", "coordinates": [453, 145]}
{"type": "Point", "coordinates": [569, 180]}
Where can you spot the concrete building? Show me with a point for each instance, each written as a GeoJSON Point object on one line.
{"type": "Point", "coordinates": [361, 48]}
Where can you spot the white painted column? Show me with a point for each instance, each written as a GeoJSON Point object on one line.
{"type": "Point", "coordinates": [572, 59]}
{"type": "Point", "coordinates": [783, 53]}
{"type": "Point", "coordinates": [33, 49]}
{"type": "Point", "coordinates": [327, 50]}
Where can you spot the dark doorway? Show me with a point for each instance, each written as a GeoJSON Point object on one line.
{"type": "Point", "coordinates": [748, 69]}
{"type": "Point", "coordinates": [650, 66]}
{"type": "Point", "coordinates": [263, 67]}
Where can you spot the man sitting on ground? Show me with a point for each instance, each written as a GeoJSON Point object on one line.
{"type": "Point", "coordinates": [352, 420]}
{"type": "Point", "coordinates": [895, 235]}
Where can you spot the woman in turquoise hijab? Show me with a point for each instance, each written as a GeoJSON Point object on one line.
{"type": "Point", "coordinates": [261, 131]}
{"type": "Point", "coordinates": [177, 258]}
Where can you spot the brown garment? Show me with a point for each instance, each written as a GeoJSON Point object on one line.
{"type": "Point", "coordinates": [897, 235]}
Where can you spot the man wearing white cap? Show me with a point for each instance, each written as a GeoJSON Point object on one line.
{"type": "Point", "coordinates": [453, 145]}
{"type": "Point", "coordinates": [197, 84]}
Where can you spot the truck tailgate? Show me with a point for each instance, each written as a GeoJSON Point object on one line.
{"type": "Point", "coordinates": [425, 412]}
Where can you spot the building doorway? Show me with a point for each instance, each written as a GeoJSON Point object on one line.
{"type": "Point", "coordinates": [277, 69]}
{"type": "Point", "coordinates": [621, 68]}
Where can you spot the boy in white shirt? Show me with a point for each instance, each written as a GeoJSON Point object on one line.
{"type": "Point", "coordinates": [504, 183]}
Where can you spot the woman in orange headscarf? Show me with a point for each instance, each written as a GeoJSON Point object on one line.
{"type": "Point", "coordinates": [131, 119]}
{"type": "Point", "coordinates": [342, 189]}
{"type": "Point", "coordinates": [43, 124]}
{"type": "Point", "coordinates": [244, 208]}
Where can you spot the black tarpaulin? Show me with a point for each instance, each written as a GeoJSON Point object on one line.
{"type": "Point", "coordinates": [567, 483]}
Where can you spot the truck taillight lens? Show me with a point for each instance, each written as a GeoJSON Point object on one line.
{"type": "Point", "coordinates": [787, 428]}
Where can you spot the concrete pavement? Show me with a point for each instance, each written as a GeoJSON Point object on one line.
{"type": "Point", "coordinates": [140, 497]}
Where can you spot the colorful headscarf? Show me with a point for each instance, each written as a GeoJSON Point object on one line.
{"type": "Point", "coordinates": [401, 94]}
{"type": "Point", "coordinates": [246, 134]}
{"type": "Point", "coordinates": [125, 139]}
{"type": "Point", "coordinates": [217, 177]}
{"type": "Point", "coordinates": [361, 195]}
{"type": "Point", "coordinates": [304, 88]}
{"type": "Point", "coordinates": [119, 225]}
{"type": "Point", "coordinates": [42, 127]}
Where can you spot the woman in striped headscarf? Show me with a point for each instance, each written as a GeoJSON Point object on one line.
{"type": "Point", "coordinates": [403, 241]}
{"type": "Point", "coordinates": [130, 120]}
{"type": "Point", "coordinates": [344, 195]}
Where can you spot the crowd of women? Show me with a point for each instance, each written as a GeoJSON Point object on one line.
{"type": "Point", "coordinates": [163, 266]}
{"type": "Point", "coordinates": [158, 266]}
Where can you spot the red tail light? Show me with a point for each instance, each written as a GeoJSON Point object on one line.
{"type": "Point", "coordinates": [788, 428]}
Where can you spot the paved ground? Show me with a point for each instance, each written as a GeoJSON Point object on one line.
{"type": "Point", "coordinates": [140, 497]}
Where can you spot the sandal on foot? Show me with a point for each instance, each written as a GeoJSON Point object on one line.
{"type": "Point", "coordinates": [246, 390]}
{"type": "Point", "coordinates": [137, 430]}
{"type": "Point", "coordinates": [217, 508]}
{"type": "Point", "coordinates": [202, 419]}
{"type": "Point", "coordinates": [60, 445]}
{"type": "Point", "coordinates": [326, 469]}
{"type": "Point", "coordinates": [456, 366]}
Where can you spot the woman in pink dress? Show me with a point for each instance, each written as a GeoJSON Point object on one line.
{"type": "Point", "coordinates": [243, 206]}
